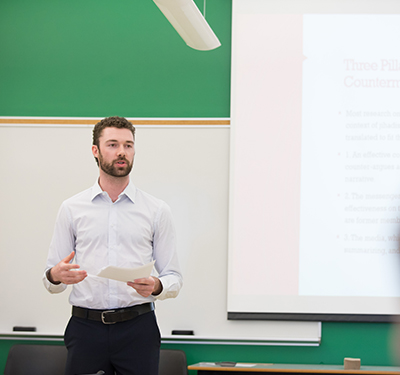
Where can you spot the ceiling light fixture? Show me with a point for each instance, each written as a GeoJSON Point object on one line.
{"type": "Point", "coordinates": [187, 20]}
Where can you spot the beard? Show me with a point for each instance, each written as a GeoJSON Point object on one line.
{"type": "Point", "coordinates": [113, 169]}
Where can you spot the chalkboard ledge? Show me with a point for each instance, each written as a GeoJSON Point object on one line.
{"type": "Point", "coordinates": [206, 340]}
{"type": "Point", "coordinates": [180, 339]}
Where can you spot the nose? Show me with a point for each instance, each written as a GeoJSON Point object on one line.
{"type": "Point", "coordinates": [121, 151]}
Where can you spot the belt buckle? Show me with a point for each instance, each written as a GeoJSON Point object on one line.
{"type": "Point", "coordinates": [103, 317]}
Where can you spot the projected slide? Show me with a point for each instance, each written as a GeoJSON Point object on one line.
{"type": "Point", "coordinates": [315, 163]}
{"type": "Point", "coordinates": [350, 159]}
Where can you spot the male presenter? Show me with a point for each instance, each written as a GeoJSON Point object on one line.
{"type": "Point", "coordinates": [113, 326]}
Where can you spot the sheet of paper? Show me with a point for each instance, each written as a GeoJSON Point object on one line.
{"type": "Point", "coordinates": [126, 274]}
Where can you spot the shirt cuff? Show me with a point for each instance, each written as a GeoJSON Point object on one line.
{"type": "Point", "coordinates": [52, 288]}
{"type": "Point", "coordinates": [171, 286]}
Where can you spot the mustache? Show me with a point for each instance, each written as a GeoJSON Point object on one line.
{"type": "Point", "coordinates": [121, 159]}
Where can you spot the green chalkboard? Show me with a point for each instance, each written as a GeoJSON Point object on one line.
{"type": "Point", "coordinates": [96, 58]}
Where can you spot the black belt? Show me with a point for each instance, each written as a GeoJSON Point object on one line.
{"type": "Point", "coordinates": [112, 316]}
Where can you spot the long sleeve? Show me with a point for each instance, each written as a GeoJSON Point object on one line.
{"type": "Point", "coordinates": [167, 264]}
{"type": "Point", "coordinates": [62, 244]}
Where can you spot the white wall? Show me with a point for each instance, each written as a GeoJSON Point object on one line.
{"type": "Point", "coordinates": [187, 167]}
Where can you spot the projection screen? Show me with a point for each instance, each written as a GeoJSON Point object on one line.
{"type": "Point", "coordinates": [315, 160]}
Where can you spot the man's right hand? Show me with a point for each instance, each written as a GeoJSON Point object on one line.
{"type": "Point", "coordinates": [66, 273]}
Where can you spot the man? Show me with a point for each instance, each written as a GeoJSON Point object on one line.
{"type": "Point", "coordinates": [113, 326]}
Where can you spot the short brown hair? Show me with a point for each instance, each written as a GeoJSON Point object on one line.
{"type": "Point", "coordinates": [111, 122]}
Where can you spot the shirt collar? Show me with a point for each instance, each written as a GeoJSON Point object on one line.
{"type": "Point", "coordinates": [96, 190]}
{"type": "Point", "coordinates": [130, 191]}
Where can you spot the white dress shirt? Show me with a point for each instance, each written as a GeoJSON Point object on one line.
{"type": "Point", "coordinates": [130, 232]}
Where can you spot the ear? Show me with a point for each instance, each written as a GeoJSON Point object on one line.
{"type": "Point", "coordinates": [95, 151]}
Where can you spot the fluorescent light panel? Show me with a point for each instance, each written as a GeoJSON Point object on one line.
{"type": "Point", "coordinates": [187, 20]}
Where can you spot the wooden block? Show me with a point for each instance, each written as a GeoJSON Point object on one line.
{"type": "Point", "coordinates": [352, 363]}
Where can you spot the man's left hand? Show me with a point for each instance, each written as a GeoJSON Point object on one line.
{"type": "Point", "coordinates": [147, 286]}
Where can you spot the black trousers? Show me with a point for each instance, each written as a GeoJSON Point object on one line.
{"type": "Point", "coordinates": [126, 348]}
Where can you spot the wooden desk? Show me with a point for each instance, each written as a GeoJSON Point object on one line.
{"type": "Point", "coordinates": [208, 368]}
